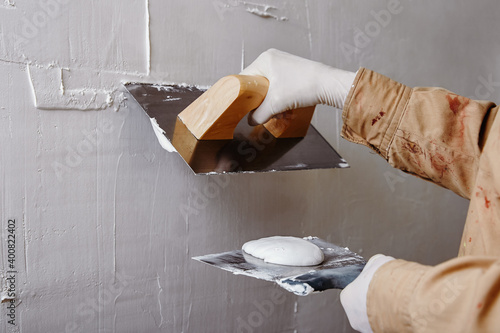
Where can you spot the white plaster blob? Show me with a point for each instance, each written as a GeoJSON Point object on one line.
{"type": "Point", "coordinates": [285, 250]}
{"type": "Point", "coordinates": [265, 13]}
{"type": "Point", "coordinates": [161, 137]}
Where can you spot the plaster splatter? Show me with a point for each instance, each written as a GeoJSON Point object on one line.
{"type": "Point", "coordinates": [265, 14]}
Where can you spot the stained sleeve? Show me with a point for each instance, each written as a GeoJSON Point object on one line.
{"type": "Point", "coordinates": [429, 132]}
{"type": "Point", "coordinates": [452, 141]}
{"type": "Point", "coordinates": [460, 295]}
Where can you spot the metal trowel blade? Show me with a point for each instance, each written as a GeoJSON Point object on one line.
{"type": "Point", "coordinates": [253, 149]}
{"type": "Point", "coordinates": [340, 267]}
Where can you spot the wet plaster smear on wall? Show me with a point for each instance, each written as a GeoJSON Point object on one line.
{"type": "Point", "coordinates": [105, 221]}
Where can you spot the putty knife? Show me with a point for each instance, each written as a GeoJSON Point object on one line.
{"type": "Point", "coordinates": [204, 127]}
{"type": "Point", "coordinates": [340, 267]}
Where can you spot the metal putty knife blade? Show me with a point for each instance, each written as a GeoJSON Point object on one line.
{"type": "Point", "coordinates": [253, 149]}
{"type": "Point", "coordinates": [340, 267]}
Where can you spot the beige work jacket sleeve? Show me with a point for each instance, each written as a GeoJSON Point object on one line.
{"type": "Point", "coordinates": [454, 142]}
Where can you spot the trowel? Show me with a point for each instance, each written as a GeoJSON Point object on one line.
{"type": "Point", "coordinates": [339, 268]}
{"type": "Point", "coordinates": [206, 128]}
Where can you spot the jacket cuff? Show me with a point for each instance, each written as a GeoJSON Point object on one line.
{"type": "Point", "coordinates": [373, 110]}
{"type": "Point", "coordinates": [390, 294]}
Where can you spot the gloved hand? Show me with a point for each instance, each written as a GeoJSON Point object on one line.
{"type": "Point", "coordinates": [353, 297]}
{"type": "Point", "coordinates": [296, 82]}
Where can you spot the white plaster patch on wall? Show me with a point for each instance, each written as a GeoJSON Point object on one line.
{"type": "Point", "coordinates": [148, 38]}
{"type": "Point", "coordinates": [159, 297]}
{"type": "Point", "coordinates": [58, 88]}
{"type": "Point", "coordinates": [50, 93]}
{"type": "Point", "coordinates": [9, 4]}
{"type": "Point", "coordinates": [264, 12]}
{"type": "Point", "coordinates": [94, 40]}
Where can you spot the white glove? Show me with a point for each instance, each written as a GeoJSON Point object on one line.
{"type": "Point", "coordinates": [296, 82]}
{"type": "Point", "coordinates": [353, 297]}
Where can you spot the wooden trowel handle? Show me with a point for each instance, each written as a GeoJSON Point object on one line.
{"type": "Point", "coordinates": [215, 114]}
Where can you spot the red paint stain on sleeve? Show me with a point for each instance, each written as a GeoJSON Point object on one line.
{"type": "Point", "coordinates": [378, 117]}
{"type": "Point", "coordinates": [439, 163]}
{"type": "Point", "coordinates": [486, 202]}
{"type": "Point", "coordinates": [412, 148]}
{"type": "Point", "coordinates": [470, 239]}
{"type": "Point", "coordinates": [455, 104]}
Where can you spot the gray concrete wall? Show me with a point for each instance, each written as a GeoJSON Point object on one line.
{"type": "Point", "coordinates": [102, 244]}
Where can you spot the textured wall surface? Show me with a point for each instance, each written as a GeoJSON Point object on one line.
{"type": "Point", "coordinates": [106, 221]}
